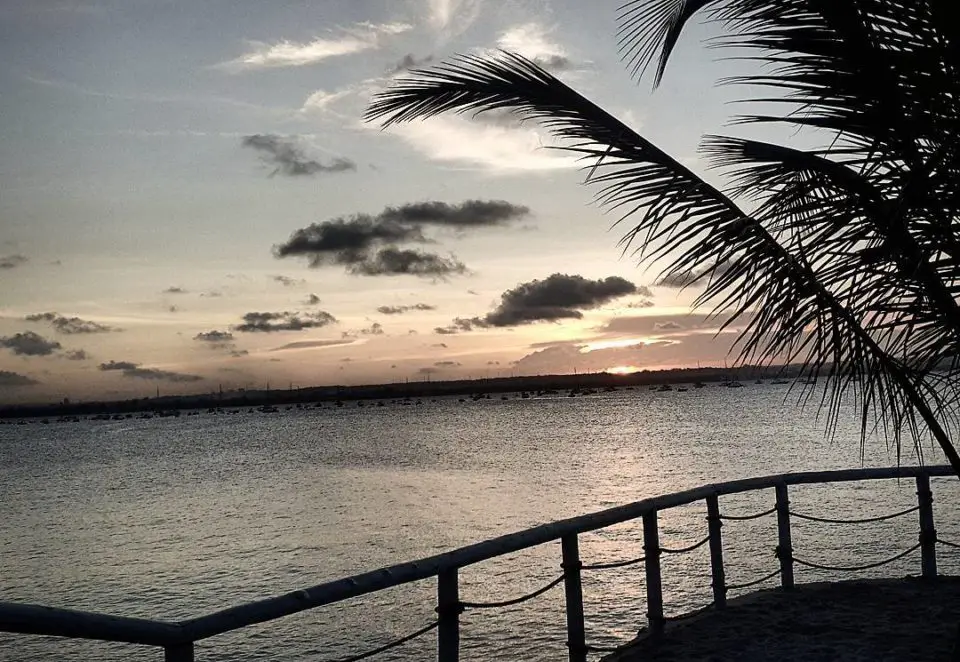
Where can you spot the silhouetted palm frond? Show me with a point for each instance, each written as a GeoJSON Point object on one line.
{"type": "Point", "coordinates": [849, 260]}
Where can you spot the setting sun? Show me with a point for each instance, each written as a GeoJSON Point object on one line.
{"type": "Point", "coordinates": [622, 370]}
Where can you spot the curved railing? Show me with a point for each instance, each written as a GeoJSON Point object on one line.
{"type": "Point", "coordinates": [177, 639]}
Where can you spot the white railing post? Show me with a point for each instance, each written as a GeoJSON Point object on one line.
{"type": "Point", "coordinates": [784, 543]}
{"type": "Point", "coordinates": [651, 552]}
{"type": "Point", "coordinates": [928, 532]}
{"type": "Point", "coordinates": [448, 610]}
{"type": "Point", "coordinates": [178, 652]}
{"type": "Point", "coordinates": [573, 594]}
{"type": "Point", "coordinates": [714, 524]}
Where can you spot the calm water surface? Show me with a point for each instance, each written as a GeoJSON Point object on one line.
{"type": "Point", "coordinates": [172, 518]}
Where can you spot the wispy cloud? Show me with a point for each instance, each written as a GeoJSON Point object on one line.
{"type": "Point", "coordinates": [407, 62]}
{"type": "Point", "coordinates": [469, 144]}
{"type": "Point", "coordinates": [133, 370]}
{"type": "Point", "coordinates": [399, 310]}
{"type": "Point", "coordinates": [532, 41]}
{"type": "Point", "coordinates": [314, 344]}
{"type": "Point", "coordinates": [287, 281]}
{"type": "Point", "coordinates": [359, 38]}
{"type": "Point", "coordinates": [289, 158]}
{"type": "Point", "coordinates": [12, 261]}
{"type": "Point", "coordinates": [450, 18]}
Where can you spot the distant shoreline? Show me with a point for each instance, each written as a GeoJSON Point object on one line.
{"type": "Point", "coordinates": [420, 389]}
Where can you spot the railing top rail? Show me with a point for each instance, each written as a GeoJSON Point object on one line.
{"type": "Point", "coordinates": [58, 622]}
{"type": "Point", "coordinates": [46, 620]}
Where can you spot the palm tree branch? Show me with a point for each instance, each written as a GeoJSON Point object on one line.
{"type": "Point", "coordinates": [633, 172]}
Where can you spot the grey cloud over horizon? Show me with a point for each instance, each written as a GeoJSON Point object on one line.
{"type": "Point", "coordinates": [557, 297]}
{"type": "Point", "coordinates": [134, 371]}
{"type": "Point", "coordinates": [399, 310]}
{"type": "Point", "coordinates": [9, 379]}
{"type": "Point", "coordinates": [217, 339]}
{"type": "Point", "coordinates": [369, 245]}
{"type": "Point", "coordinates": [257, 322]}
{"type": "Point", "coordinates": [287, 281]}
{"type": "Point", "coordinates": [70, 325]}
{"type": "Point", "coordinates": [13, 261]}
{"type": "Point", "coordinates": [289, 158]}
{"type": "Point", "coordinates": [392, 261]}
{"type": "Point", "coordinates": [29, 343]}
{"type": "Point", "coordinates": [312, 344]}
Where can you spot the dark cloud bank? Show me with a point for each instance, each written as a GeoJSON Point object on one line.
{"type": "Point", "coordinates": [29, 343]}
{"type": "Point", "coordinates": [399, 310]}
{"type": "Point", "coordinates": [286, 321]}
{"type": "Point", "coordinates": [559, 296]}
{"type": "Point", "coordinates": [370, 245]}
{"type": "Point", "coordinates": [134, 371]}
{"type": "Point", "coordinates": [288, 157]}
{"type": "Point", "coordinates": [70, 325]}
{"type": "Point", "coordinates": [15, 380]}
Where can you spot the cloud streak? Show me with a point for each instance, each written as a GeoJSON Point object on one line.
{"type": "Point", "coordinates": [134, 371]}
{"type": "Point", "coordinates": [13, 261]}
{"type": "Point", "coordinates": [399, 310]}
{"type": "Point", "coordinates": [262, 55]}
{"type": "Point", "coordinates": [288, 158]}
{"type": "Point", "coordinates": [256, 322]}
{"type": "Point", "coordinates": [532, 41]}
{"type": "Point", "coordinates": [70, 325]}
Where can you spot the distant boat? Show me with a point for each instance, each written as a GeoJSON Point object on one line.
{"type": "Point", "coordinates": [664, 387]}
{"type": "Point", "coordinates": [268, 409]}
{"type": "Point", "coordinates": [733, 384]}
{"type": "Point", "coordinates": [698, 385]}
{"type": "Point", "coordinates": [682, 389]}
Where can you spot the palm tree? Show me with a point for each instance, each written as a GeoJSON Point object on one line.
{"type": "Point", "coordinates": [843, 258]}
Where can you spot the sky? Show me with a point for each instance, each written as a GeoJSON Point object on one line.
{"type": "Point", "coordinates": [191, 200]}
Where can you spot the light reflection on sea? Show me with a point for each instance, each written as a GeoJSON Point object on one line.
{"type": "Point", "coordinates": [171, 518]}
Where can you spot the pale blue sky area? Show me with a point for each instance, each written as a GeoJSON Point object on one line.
{"type": "Point", "coordinates": [152, 154]}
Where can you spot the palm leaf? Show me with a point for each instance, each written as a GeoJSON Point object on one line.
{"type": "Point", "coordinates": [691, 225]}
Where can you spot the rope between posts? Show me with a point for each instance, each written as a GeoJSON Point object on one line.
{"type": "Point", "coordinates": [948, 544]}
{"type": "Point", "coordinates": [865, 520]}
{"type": "Point", "coordinates": [852, 568]}
{"type": "Point", "coordinates": [392, 644]}
{"type": "Point", "coordinates": [514, 601]}
{"type": "Point", "coordinates": [743, 518]}
{"type": "Point", "coordinates": [614, 564]}
{"type": "Point", "coordinates": [734, 587]}
{"type": "Point", "coordinates": [684, 550]}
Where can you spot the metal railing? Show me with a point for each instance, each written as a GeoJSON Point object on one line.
{"type": "Point", "coordinates": [177, 638]}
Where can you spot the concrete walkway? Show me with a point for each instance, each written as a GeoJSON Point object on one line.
{"type": "Point", "coordinates": [906, 620]}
